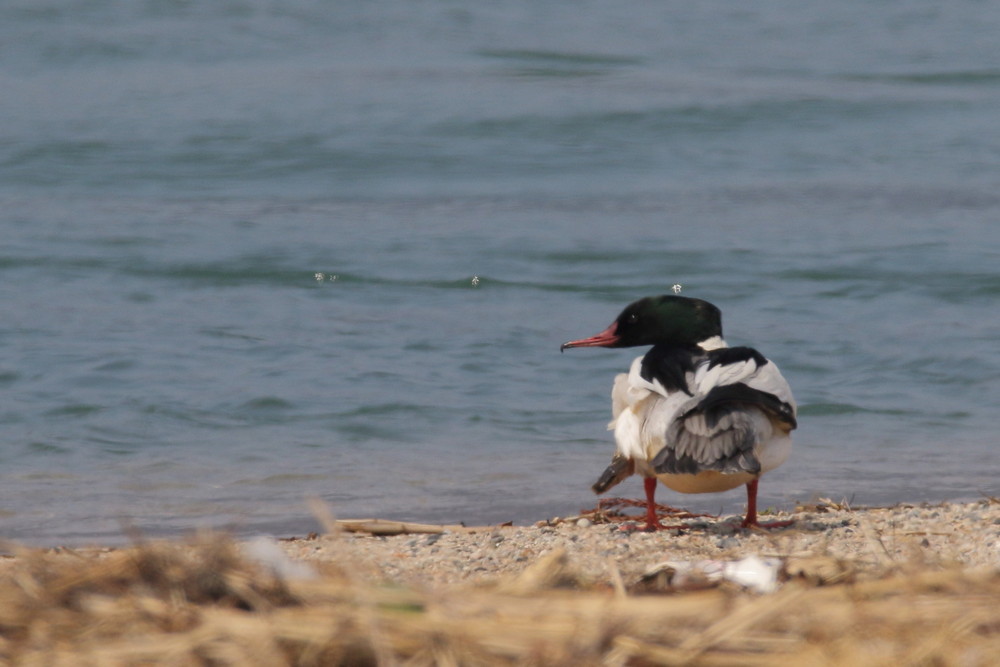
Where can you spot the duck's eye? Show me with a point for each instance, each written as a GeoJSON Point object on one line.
{"type": "Point", "coordinates": [633, 318]}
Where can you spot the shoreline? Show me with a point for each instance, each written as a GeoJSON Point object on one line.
{"type": "Point", "coordinates": [314, 516]}
{"type": "Point", "coordinates": [871, 539]}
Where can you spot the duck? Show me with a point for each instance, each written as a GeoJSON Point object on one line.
{"type": "Point", "coordinates": [692, 413]}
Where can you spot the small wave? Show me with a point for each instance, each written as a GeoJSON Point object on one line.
{"type": "Point", "coordinates": [956, 77]}
{"type": "Point", "coordinates": [533, 55]}
{"type": "Point", "coordinates": [828, 409]}
{"type": "Point", "coordinates": [558, 64]}
{"type": "Point", "coordinates": [381, 409]}
{"type": "Point", "coordinates": [281, 479]}
{"type": "Point", "coordinates": [75, 410]}
{"type": "Point", "coordinates": [268, 403]}
{"type": "Point", "coordinates": [47, 448]}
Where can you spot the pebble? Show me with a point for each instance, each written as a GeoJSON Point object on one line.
{"type": "Point", "coordinates": [728, 543]}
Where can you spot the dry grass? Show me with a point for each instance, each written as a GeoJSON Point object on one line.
{"type": "Point", "coordinates": [201, 603]}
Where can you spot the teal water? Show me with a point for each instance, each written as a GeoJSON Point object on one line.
{"type": "Point", "coordinates": [258, 252]}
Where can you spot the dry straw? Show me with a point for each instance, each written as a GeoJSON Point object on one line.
{"type": "Point", "coordinates": [202, 603]}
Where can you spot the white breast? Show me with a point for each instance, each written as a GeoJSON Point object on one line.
{"type": "Point", "coordinates": [641, 411]}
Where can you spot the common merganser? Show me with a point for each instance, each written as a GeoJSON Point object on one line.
{"type": "Point", "coordinates": [692, 412]}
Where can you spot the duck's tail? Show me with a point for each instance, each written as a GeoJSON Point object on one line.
{"type": "Point", "coordinates": [619, 468]}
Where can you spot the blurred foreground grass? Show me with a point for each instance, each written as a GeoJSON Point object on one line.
{"type": "Point", "coordinates": [203, 602]}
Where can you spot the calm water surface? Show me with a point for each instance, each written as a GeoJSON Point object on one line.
{"type": "Point", "coordinates": [259, 252]}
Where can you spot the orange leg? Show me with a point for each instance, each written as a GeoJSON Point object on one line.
{"type": "Point", "coordinates": [652, 521]}
{"type": "Point", "coordinates": [751, 518]}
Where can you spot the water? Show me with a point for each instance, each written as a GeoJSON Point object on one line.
{"type": "Point", "coordinates": [174, 176]}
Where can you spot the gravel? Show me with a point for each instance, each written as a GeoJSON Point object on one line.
{"type": "Point", "coordinates": [864, 542]}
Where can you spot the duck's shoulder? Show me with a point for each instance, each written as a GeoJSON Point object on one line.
{"type": "Point", "coordinates": [682, 368]}
{"type": "Point", "coordinates": [735, 356]}
{"type": "Point", "coordinates": [672, 368]}
{"type": "Point", "coordinates": [736, 372]}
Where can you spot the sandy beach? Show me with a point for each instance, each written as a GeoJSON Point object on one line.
{"type": "Point", "coordinates": [865, 543]}
{"type": "Point", "coordinates": [841, 586]}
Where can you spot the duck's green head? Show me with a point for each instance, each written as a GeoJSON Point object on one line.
{"type": "Point", "coordinates": [659, 320]}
